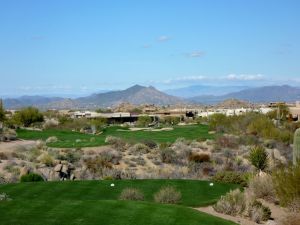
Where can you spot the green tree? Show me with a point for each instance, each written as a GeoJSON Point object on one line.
{"type": "Point", "coordinates": [259, 157]}
{"type": "Point", "coordinates": [144, 121]}
{"type": "Point", "coordinates": [219, 122]}
{"type": "Point", "coordinates": [263, 127]}
{"type": "Point", "coordinates": [99, 123]}
{"type": "Point", "coordinates": [171, 120]}
{"type": "Point", "coordinates": [286, 183]}
{"type": "Point", "coordinates": [28, 116]}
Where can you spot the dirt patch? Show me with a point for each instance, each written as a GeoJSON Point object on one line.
{"type": "Point", "coordinates": [277, 214]}
{"type": "Point", "coordinates": [14, 145]}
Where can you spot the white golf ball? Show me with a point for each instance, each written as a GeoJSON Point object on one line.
{"type": "Point", "coordinates": [112, 185]}
{"type": "Point", "coordinates": [211, 184]}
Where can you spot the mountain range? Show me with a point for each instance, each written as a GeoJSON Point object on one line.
{"type": "Point", "coordinates": [198, 90]}
{"type": "Point", "coordinates": [264, 94]}
{"type": "Point", "coordinates": [138, 95]}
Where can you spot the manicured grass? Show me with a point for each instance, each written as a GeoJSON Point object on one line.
{"type": "Point", "coordinates": [194, 193]}
{"type": "Point", "coordinates": [96, 202]}
{"type": "Point", "coordinates": [67, 139]}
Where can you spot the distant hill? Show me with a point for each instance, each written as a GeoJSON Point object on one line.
{"type": "Point", "coordinates": [233, 104]}
{"type": "Point", "coordinates": [29, 101]}
{"type": "Point", "coordinates": [257, 95]}
{"type": "Point", "coordinates": [198, 90]}
{"type": "Point", "coordinates": [134, 95]}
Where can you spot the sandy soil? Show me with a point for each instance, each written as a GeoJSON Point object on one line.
{"type": "Point", "coordinates": [147, 129]}
{"type": "Point", "coordinates": [13, 145]}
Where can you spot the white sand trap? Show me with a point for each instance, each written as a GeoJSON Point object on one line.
{"type": "Point", "coordinates": [147, 129]}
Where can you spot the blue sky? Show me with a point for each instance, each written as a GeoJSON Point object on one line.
{"type": "Point", "coordinates": [80, 47]}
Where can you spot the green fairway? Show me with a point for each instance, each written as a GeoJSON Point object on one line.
{"type": "Point", "coordinates": [67, 139]}
{"type": "Point", "coordinates": [96, 202]}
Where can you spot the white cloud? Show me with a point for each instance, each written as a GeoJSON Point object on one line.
{"type": "Point", "coordinates": [184, 79]}
{"type": "Point", "coordinates": [245, 77]}
{"type": "Point", "coordinates": [164, 38]}
{"type": "Point", "coordinates": [195, 54]}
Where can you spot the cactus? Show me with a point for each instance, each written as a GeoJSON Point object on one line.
{"type": "Point", "coordinates": [296, 147]}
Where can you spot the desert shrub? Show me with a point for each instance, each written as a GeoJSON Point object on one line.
{"type": "Point", "coordinates": [170, 120]}
{"type": "Point", "coordinates": [9, 134]}
{"type": "Point", "coordinates": [290, 219]}
{"type": "Point", "coordinates": [164, 145]}
{"type": "Point", "coordinates": [199, 158]}
{"type": "Point", "coordinates": [262, 187]}
{"type": "Point", "coordinates": [249, 140]}
{"type": "Point", "coordinates": [3, 156]}
{"type": "Point", "coordinates": [168, 155]}
{"type": "Point", "coordinates": [226, 141]}
{"type": "Point", "coordinates": [218, 122]}
{"type": "Point", "coordinates": [258, 212]}
{"type": "Point", "coordinates": [294, 205]}
{"type": "Point", "coordinates": [51, 139]}
{"type": "Point", "coordinates": [149, 143]}
{"type": "Point", "coordinates": [51, 123]}
{"type": "Point", "coordinates": [111, 156]}
{"type": "Point", "coordinates": [116, 142]}
{"type": "Point", "coordinates": [182, 149]}
{"type": "Point", "coordinates": [167, 195]}
{"type": "Point", "coordinates": [286, 182]}
{"type": "Point", "coordinates": [131, 194]}
{"type": "Point", "coordinates": [233, 203]}
{"type": "Point", "coordinates": [70, 155]}
{"type": "Point", "coordinates": [2, 179]}
{"type": "Point", "coordinates": [270, 143]}
{"type": "Point", "coordinates": [140, 148]}
{"type": "Point", "coordinates": [231, 177]}
{"type": "Point", "coordinates": [33, 154]}
{"type": "Point", "coordinates": [139, 161]}
{"type": "Point", "coordinates": [285, 136]}
{"type": "Point", "coordinates": [262, 126]}
{"type": "Point", "coordinates": [46, 159]}
{"type": "Point", "coordinates": [77, 124]}
{"type": "Point", "coordinates": [4, 197]}
{"type": "Point", "coordinates": [97, 164]}
{"type": "Point", "coordinates": [12, 168]}
{"type": "Point", "coordinates": [259, 157]}
{"type": "Point", "coordinates": [31, 177]}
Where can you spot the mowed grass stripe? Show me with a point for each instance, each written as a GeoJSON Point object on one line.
{"type": "Point", "coordinates": [108, 212]}
{"type": "Point", "coordinates": [194, 193]}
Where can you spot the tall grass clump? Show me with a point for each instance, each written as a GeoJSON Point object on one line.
{"type": "Point", "coordinates": [167, 195]}
{"type": "Point", "coordinates": [131, 194]}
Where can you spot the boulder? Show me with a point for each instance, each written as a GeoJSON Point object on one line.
{"type": "Point", "coordinates": [72, 177]}
{"type": "Point", "coordinates": [65, 169]}
{"type": "Point", "coordinates": [271, 222]}
{"type": "Point", "coordinates": [54, 176]}
{"type": "Point", "coordinates": [24, 171]}
{"type": "Point", "coordinates": [58, 167]}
